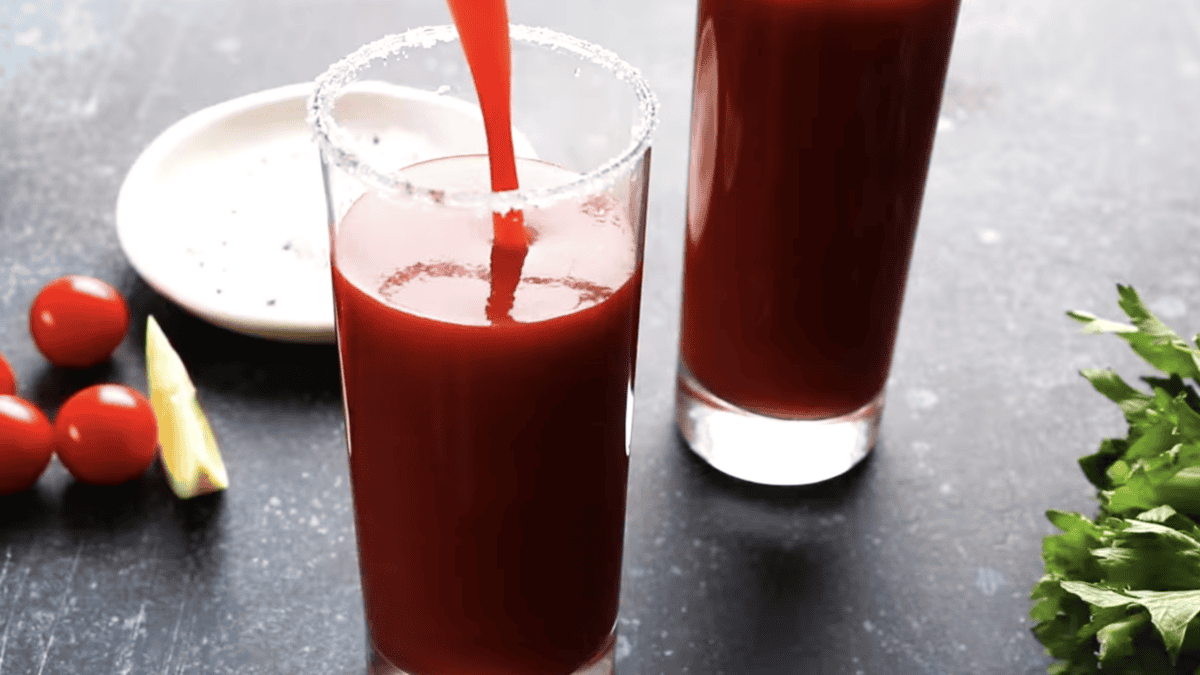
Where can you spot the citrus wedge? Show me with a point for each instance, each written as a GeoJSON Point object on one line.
{"type": "Point", "coordinates": [188, 449]}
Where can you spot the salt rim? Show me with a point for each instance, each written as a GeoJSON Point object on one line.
{"type": "Point", "coordinates": [333, 140]}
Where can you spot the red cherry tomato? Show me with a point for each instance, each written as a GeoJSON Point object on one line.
{"type": "Point", "coordinates": [106, 434]}
{"type": "Point", "coordinates": [77, 321]}
{"type": "Point", "coordinates": [8, 379]}
{"type": "Point", "coordinates": [26, 444]}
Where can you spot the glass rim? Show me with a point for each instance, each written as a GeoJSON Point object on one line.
{"type": "Point", "coordinates": [336, 145]}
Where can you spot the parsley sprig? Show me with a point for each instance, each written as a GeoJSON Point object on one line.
{"type": "Point", "coordinates": [1121, 592]}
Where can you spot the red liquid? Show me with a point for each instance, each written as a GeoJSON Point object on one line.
{"type": "Point", "coordinates": [488, 461]}
{"type": "Point", "coordinates": [811, 134]}
{"type": "Point", "coordinates": [483, 31]}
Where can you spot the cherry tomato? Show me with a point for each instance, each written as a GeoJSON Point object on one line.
{"type": "Point", "coordinates": [106, 434]}
{"type": "Point", "coordinates": [26, 444]}
{"type": "Point", "coordinates": [77, 321]}
{"type": "Point", "coordinates": [8, 379]}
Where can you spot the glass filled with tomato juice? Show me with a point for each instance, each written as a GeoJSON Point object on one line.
{"type": "Point", "coordinates": [812, 127]}
{"type": "Point", "coordinates": [488, 395]}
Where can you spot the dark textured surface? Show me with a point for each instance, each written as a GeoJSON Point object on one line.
{"type": "Point", "coordinates": [1066, 161]}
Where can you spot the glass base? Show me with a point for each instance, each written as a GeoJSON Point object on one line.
{"type": "Point", "coordinates": [771, 450]}
{"type": "Point", "coordinates": [604, 662]}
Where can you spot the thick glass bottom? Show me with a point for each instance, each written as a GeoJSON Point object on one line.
{"type": "Point", "coordinates": [771, 450]}
{"type": "Point", "coordinates": [603, 663]}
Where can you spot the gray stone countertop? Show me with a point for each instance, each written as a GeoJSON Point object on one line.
{"type": "Point", "coordinates": [1066, 160]}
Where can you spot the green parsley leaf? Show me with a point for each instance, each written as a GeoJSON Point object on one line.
{"type": "Point", "coordinates": [1121, 591]}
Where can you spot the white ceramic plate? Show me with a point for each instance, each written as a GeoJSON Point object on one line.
{"type": "Point", "coordinates": [224, 213]}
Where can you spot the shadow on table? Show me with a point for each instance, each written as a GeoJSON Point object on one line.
{"type": "Point", "coordinates": [129, 505]}
{"type": "Point", "coordinates": [224, 360]}
{"type": "Point", "coordinates": [145, 503]}
{"type": "Point", "coordinates": [786, 578]}
{"type": "Point", "coordinates": [112, 507]}
{"type": "Point", "coordinates": [53, 385]}
{"type": "Point", "coordinates": [28, 509]}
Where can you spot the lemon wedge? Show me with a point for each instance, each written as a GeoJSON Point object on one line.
{"type": "Point", "coordinates": [186, 443]}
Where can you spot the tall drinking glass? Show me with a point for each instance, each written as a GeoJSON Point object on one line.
{"type": "Point", "coordinates": [488, 451]}
{"type": "Point", "coordinates": [812, 127]}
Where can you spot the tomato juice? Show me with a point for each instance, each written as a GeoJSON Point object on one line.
{"type": "Point", "coordinates": [488, 458]}
{"type": "Point", "coordinates": [812, 128]}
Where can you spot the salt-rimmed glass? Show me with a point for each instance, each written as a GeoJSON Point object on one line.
{"type": "Point", "coordinates": [488, 457]}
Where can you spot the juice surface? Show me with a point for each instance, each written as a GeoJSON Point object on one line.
{"type": "Point", "coordinates": [812, 128]}
{"type": "Point", "coordinates": [488, 459]}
